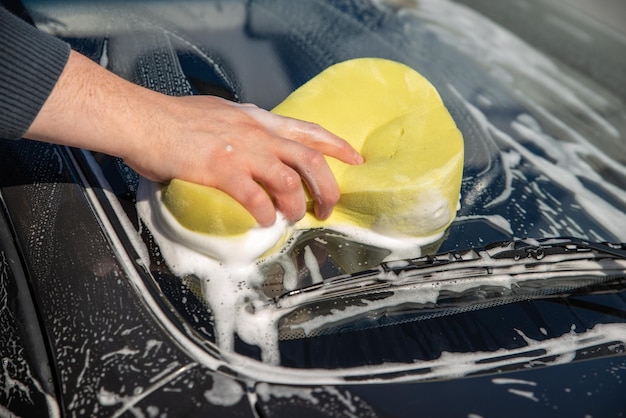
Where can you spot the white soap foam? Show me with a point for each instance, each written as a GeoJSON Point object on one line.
{"type": "Point", "coordinates": [224, 392]}
{"type": "Point", "coordinates": [552, 351]}
{"type": "Point", "coordinates": [230, 272]}
{"type": "Point", "coordinates": [241, 250]}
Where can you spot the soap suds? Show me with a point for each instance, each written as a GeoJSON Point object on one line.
{"type": "Point", "coordinates": [231, 284]}
{"type": "Point", "coordinates": [556, 350]}
{"type": "Point", "coordinates": [224, 392]}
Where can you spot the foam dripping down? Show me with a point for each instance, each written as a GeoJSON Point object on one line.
{"type": "Point", "coordinates": [232, 275]}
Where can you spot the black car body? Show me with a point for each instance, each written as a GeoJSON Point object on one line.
{"type": "Point", "coordinates": [94, 324]}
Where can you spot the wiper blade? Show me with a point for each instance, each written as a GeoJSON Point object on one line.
{"type": "Point", "coordinates": [498, 273]}
{"type": "Point", "coordinates": [519, 259]}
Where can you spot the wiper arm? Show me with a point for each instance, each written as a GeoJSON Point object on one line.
{"type": "Point", "coordinates": [498, 273]}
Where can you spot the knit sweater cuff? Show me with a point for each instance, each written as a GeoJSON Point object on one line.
{"type": "Point", "coordinates": [30, 65]}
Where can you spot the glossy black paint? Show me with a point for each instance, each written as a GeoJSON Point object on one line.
{"type": "Point", "coordinates": [88, 341]}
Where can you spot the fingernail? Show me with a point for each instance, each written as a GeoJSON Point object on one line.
{"type": "Point", "coordinates": [322, 214]}
{"type": "Point", "coordinates": [358, 158]}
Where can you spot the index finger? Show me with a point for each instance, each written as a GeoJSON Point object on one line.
{"type": "Point", "coordinates": [309, 134]}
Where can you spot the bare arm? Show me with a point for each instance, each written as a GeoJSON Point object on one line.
{"type": "Point", "coordinates": [255, 156]}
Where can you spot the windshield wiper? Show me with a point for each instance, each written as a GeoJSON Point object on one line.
{"type": "Point", "coordinates": [454, 281]}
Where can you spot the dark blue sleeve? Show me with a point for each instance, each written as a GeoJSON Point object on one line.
{"type": "Point", "coordinates": [30, 64]}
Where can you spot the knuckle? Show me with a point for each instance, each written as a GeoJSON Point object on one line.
{"type": "Point", "coordinates": [289, 179]}
{"type": "Point", "coordinates": [314, 128]}
{"type": "Point", "coordinates": [314, 159]}
{"type": "Point", "coordinates": [317, 131]}
{"type": "Point", "coordinates": [255, 198]}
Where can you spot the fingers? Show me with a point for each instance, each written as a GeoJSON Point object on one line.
{"type": "Point", "coordinates": [254, 198]}
{"type": "Point", "coordinates": [314, 136]}
{"type": "Point", "coordinates": [264, 184]}
{"type": "Point", "coordinates": [284, 185]}
{"type": "Point", "coordinates": [283, 180]}
{"type": "Point", "coordinates": [318, 177]}
{"type": "Point", "coordinates": [304, 151]}
{"type": "Point", "coordinates": [261, 159]}
{"type": "Point", "coordinates": [309, 134]}
{"type": "Point", "coordinates": [276, 186]}
{"type": "Point", "coordinates": [300, 148]}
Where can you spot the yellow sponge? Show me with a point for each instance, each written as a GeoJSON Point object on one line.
{"type": "Point", "coordinates": [409, 184]}
{"type": "Point", "coordinates": [206, 209]}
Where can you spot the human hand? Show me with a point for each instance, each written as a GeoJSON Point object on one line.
{"type": "Point", "coordinates": [259, 158]}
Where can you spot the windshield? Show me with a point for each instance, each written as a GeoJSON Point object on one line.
{"type": "Point", "coordinates": [544, 150]}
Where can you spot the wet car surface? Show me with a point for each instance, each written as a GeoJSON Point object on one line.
{"type": "Point", "coordinates": [109, 331]}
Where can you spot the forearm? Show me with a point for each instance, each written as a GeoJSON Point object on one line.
{"type": "Point", "coordinates": [92, 108]}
